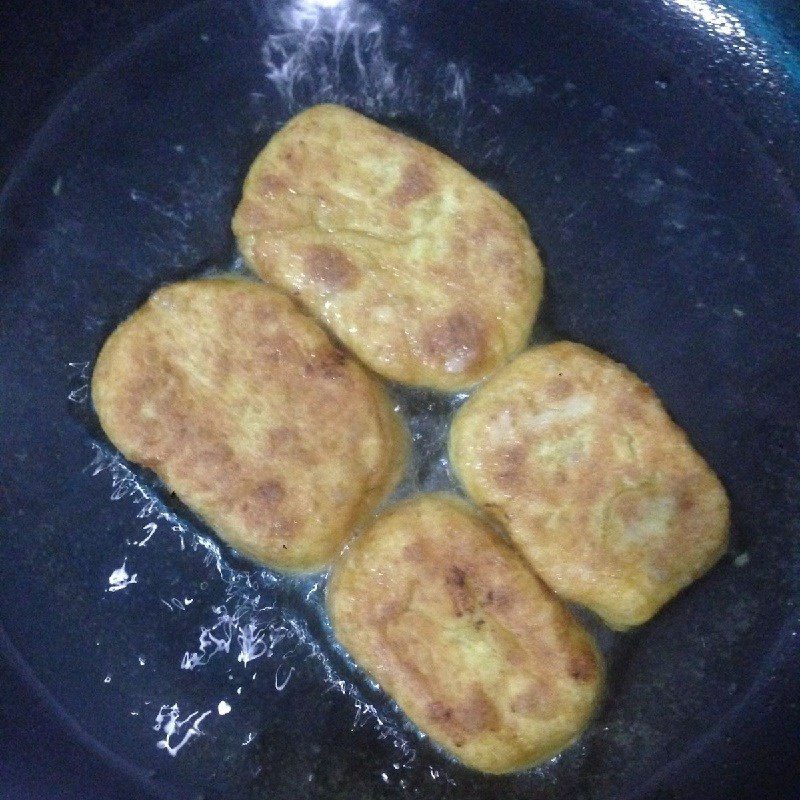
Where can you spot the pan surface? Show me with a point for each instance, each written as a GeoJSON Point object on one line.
{"type": "Point", "coordinates": [672, 241]}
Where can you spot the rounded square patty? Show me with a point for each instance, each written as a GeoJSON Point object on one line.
{"type": "Point", "coordinates": [436, 607]}
{"type": "Point", "coordinates": [245, 408]}
{"type": "Point", "coordinates": [598, 489]}
{"type": "Point", "coordinates": [425, 273]}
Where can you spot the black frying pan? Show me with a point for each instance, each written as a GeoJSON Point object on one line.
{"type": "Point", "coordinates": [653, 148]}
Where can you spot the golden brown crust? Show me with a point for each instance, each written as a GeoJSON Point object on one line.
{"type": "Point", "coordinates": [242, 405]}
{"type": "Point", "coordinates": [425, 273]}
{"type": "Point", "coordinates": [597, 487]}
{"type": "Point", "coordinates": [473, 647]}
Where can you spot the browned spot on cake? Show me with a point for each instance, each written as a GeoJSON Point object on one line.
{"type": "Point", "coordinates": [510, 462]}
{"type": "Point", "coordinates": [145, 387]}
{"type": "Point", "coordinates": [459, 248]}
{"type": "Point", "coordinates": [150, 461]}
{"type": "Point", "coordinates": [440, 712]}
{"type": "Point", "coordinates": [283, 526]}
{"type": "Point", "coordinates": [293, 155]}
{"type": "Point", "coordinates": [478, 234]}
{"type": "Point", "coordinates": [262, 317]}
{"type": "Point", "coordinates": [283, 437]}
{"type": "Point", "coordinates": [633, 402]}
{"type": "Point", "coordinates": [414, 552]}
{"type": "Point", "coordinates": [643, 392]}
{"type": "Point", "coordinates": [253, 215]}
{"type": "Point", "coordinates": [416, 182]}
{"type": "Point", "coordinates": [473, 715]}
{"type": "Point", "coordinates": [179, 434]}
{"type": "Point", "coordinates": [271, 492]}
{"type": "Point", "coordinates": [211, 461]}
{"type": "Point", "coordinates": [271, 185]}
{"type": "Point", "coordinates": [477, 713]}
{"type": "Point", "coordinates": [499, 599]}
{"type": "Point", "coordinates": [456, 341]}
{"type": "Point", "coordinates": [329, 267]}
{"type": "Point", "coordinates": [274, 349]}
{"type": "Point", "coordinates": [539, 702]}
{"type": "Point", "coordinates": [559, 388]}
{"type": "Point", "coordinates": [329, 363]}
{"type": "Point", "coordinates": [456, 582]}
{"type": "Point", "coordinates": [505, 261]}
{"type": "Point", "coordinates": [491, 228]}
{"type": "Point", "coordinates": [588, 492]}
{"type": "Point", "coordinates": [220, 363]}
{"type": "Point", "coordinates": [686, 498]}
{"type": "Point", "coordinates": [582, 663]}
{"type": "Point", "coordinates": [389, 611]}
{"type": "Point", "coordinates": [631, 506]}
{"type": "Point", "coordinates": [212, 468]}
{"type": "Point", "coordinates": [260, 512]}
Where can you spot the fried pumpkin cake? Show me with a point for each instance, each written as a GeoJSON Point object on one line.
{"type": "Point", "coordinates": [429, 276]}
{"type": "Point", "coordinates": [246, 410]}
{"type": "Point", "coordinates": [598, 489]}
{"type": "Point", "coordinates": [436, 607]}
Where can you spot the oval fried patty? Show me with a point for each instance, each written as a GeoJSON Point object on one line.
{"type": "Point", "coordinates": [242, 405]}
{"type": "Point", "coordinates": [424, 272]}
{"type": "Point", "coordinates": [597, 487]}
{"type": "Point", "coordinates": [473, 647]}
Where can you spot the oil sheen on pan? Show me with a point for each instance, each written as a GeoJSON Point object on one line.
{"type": "Point", "coordinates": [429, 276]}
{"type": "Point", "coordinates": [597, 487]}
{"type": "Point", "coordinates": [475, 649]}
{"type": "Point", "coordinates": [248, 412]}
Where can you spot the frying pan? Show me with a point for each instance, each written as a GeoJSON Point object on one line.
{"type": "Point", "coordinates": [654, 148]}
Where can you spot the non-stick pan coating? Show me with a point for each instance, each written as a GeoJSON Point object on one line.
{"type": "Point", "coordinates": [672, 241]}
